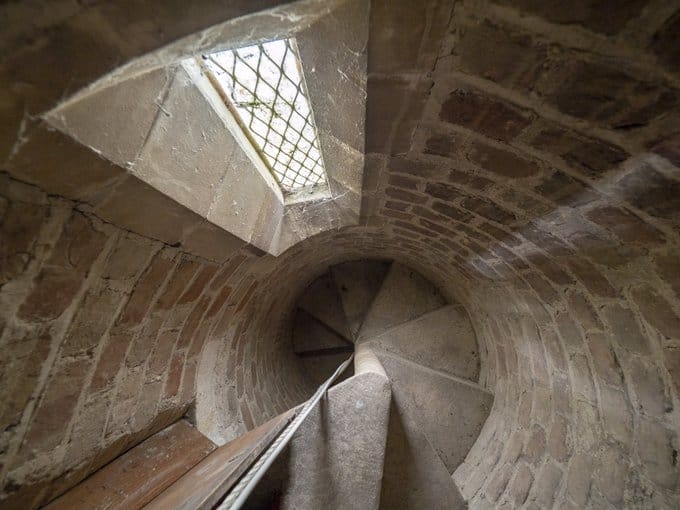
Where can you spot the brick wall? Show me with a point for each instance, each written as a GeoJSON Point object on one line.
{"type": "Point", "coordinates": [101, 331]}
{"type": "Point", "coordinates": [524, 158]}
{"type": "Point", "coordinates": [582, 359]}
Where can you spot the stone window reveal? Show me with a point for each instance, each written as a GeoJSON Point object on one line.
{"type": "Point", "coordinates": [264, 86]}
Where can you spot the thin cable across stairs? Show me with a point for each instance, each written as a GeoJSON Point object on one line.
{"type": "Point", "coordinates": [239, 494]}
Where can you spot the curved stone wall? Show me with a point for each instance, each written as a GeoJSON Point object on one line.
{"type": "Point", "coordinates": [583, 370]}
{"type": "Point", "coordinates": [525, 160]}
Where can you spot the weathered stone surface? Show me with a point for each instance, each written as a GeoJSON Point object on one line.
{"type": "Point", "coordinates": [91, 322]}
{"type": "Point", "coordinates": [520, 485]}
{"type": "Point", "coordinates": [664, 42]}
{"type": "Point", "coordinates": [563, 189]}
{"type": "Point", "coordinates": [535, 444]}
{"type": "Point", "coordinates": [21, 223]}
{"type": "Point", "coordinates": [625, 225]}
{"type": "Point", "coordinates": [558, 441]}
{"type": "Point", "coordinates": [502, 162]}
{"type": "Point", "coordinates": [404, 36]}
{"type": "Point", "coordinates": [486, 115]}
{"type": "Point", "coordinates": [322, 300]}
{"type": "Point", "coordinates": [672, 362]}
{"type": "Point", "coordinates": [563, 251]}
{"type": "Point", "coordinates": [387, 96]}
{"type": "Point", "coordinates": [414, 475]}
{"type": "Point", "coordinates": [358, 283]}
{"type": "Point", "coordinates": [343, 440]}
{"type": "Point", "coordinates": [127, 111]}
{"type": "Point", "coordinates": [309, 335]}
{"type": "Point", "coordinates": [84, 175]}
{"type": "Point", "coordinates": [546, 486]}
{"type": "Point", "coordinates": [579, 478]}
{"type": "Point", "coordinates": [167, 228]}
{"type": "Point", "coordinates": [593, 157]}
{"type": "Point", "coordinates": [594, 15]}
{"type": "Point", "coordinates": [442, 340]}
{"type": "Point", "coordinates": [616, 414]}
{"type": "Point", "coordinates": [404, 295]}
{"type": "Point", "coordinates": [424, 397]}
{"type": "Point", "coordinates": [626, 329]}
{"type": "Point", "coordinates": [657, 454]}
{"type": "Point", "coordinates": [489, 210]}
{"type": "Point", "coordinates": [657, 311]}
{"type": "Point", "coordinates": [605, 361]}
{"type": "Point", "coordinates": [651, 191]}
{"type": "Point", "coordinates": [51, 420]}
{"type": "Point", "coordinates": [607, 95]}
{"type": "Point", "coordinates": [500, 54]}
{"type": "Point", "coordinates": [610, 474]}
{"type": "Point", "coordinates": [649, 387]}
{"type": "Point", "coordinates": [60, 280]}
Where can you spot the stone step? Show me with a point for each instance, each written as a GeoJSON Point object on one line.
{"type": "Point", "coordinates": [442, 340]}
{"type": "Point", "coordinates": [414, 475]}
{"type": "Point", "coordinates": [322, 300]}
{"type": "Point", "coordinates": [358, 283]}
{"type": "Point", "coordinates": [310, 334]}
{"type": "Point", "coordinates": [205, 484]}
{"type": "Point", "coordinates": [404, 296]}
{"type": "Point", "coordinates": [448, 410]}
{"type": "Point", "coordinates": [335, 460]}
{"type": "Point", "coordinates": [136, 477]}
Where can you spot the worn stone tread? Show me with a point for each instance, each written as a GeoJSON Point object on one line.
{"type": "Point", "coordinates": [310, 334]}
{"type": "Point", "coordinates": [442, 340]}
{"type": "Point", "coordinates": [321, 300]}
{"type": "Point", "coordinates": [404, 296]}
{"type": "Point", "coordinates": [358, 282]}
{"type": "Point", "coordinates": [450, 412]}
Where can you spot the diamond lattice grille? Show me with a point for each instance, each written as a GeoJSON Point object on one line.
{"type": "Point", "coordinates": [265, 85]}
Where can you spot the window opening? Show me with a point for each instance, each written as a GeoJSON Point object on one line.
{"type": "Point", "coordinates": [265, 86]}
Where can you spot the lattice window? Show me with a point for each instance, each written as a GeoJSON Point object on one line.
{"type": "Point", "coordinates": [265, 86]}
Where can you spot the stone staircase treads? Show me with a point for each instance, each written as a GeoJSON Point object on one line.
{"type": "Point", "coordinates": [309, 334]}
{"type": "Point", "coordinates": [449, 411]}
{"type": "Point", "coordinates": [136, 477]}
{"type": "Point", "coordinates": [206, 483]}
{"type": "Point", "coordinates": [442, 340]}
{"type": "Point", "coordinates": [323, 301]}
{"type": "Point", "coordinates": [414, 475]}
{"type": "Point", "coordinates": [335, 460]}
{"type": "Point", "coordinates": [429, 354]}
{"type": "Point", "coordinates": [358, 282]}
{"type": "Point", "coordinates": [404, 296]}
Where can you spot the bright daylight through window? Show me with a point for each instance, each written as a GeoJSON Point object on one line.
{"type": "Point", "coordinates": [265, 86]}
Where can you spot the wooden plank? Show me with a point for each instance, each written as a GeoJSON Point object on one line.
{"type": "Point", "coordinates": [204, 486]}
{"type": "Point", "coordinates": [140, 474]}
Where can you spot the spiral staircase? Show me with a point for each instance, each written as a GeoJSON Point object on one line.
{"type": "Point", "coordinates": [389, 434]}
{"type": "Point", "coordinates": [393, 431]}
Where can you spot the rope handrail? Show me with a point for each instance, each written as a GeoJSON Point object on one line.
{"type": "Point", "coordinates": [240, 492]}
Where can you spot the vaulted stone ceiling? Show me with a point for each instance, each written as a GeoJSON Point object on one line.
{"type": "Point", "coordinates": [522, 155]}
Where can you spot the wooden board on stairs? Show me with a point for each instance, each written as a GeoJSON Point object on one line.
{"type": "Point", "coordinates": [136, 477]}
{"type": "Point", "coordinates": [205, 485]}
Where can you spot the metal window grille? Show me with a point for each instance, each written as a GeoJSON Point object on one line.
{"type": "Point", "coordinates": [266, 87]}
